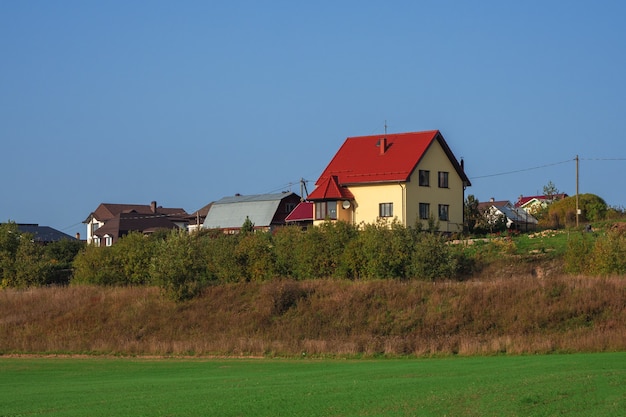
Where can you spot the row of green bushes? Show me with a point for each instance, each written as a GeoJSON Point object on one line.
{"type": "Point", "coordinates": [183, 263]}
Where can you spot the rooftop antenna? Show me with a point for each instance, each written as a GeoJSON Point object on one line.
{"type": "Point", "coordinates": [385, 127]}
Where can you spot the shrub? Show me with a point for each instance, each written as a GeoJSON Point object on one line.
{"type": "Point", "coordinates": [563, 212]}
{"type": "Point", "coordinates": [255, 256]}
{"type": "Point", "coordinates": [9, 244]}
{"type": "Point", "coordinates": [134, 253]}
{"type": "Point", "coordinates": [61, 255]}
{"type": "Point", "coordinates": [432, 258]}
{"type": "Point", "coordinates": [609, 254]}
{"type": "Point", "coordinates": [286, 244]}
{"type": "Point", "coordinates": [31, 266]}
{"type": "Point", "coordinates": [385, 250]}
{"type": "Point", "coordinates": [321, 253]}
{"type": "Point", "coordinates": [219, 254]}
{"type": "Point", "coordinates": [95, 265]}
{"type": "Point", "coordinates": [177, 265]}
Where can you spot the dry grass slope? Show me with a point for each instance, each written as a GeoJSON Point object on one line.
{"type": "Point", "coordinates": [529, 313]}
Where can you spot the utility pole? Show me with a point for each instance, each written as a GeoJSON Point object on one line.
{"type": "Point", "coordinates": [303, 189]}
{"type": "Point", "coordinates": [577, 207]}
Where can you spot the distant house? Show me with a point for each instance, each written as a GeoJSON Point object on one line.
{"type": "Point", "coordinates": [534, 203]}
{"type": "Point", "coordinates": [265, 211]}
{"type": "Point", "coordinates": [43, 234]}
{"type": "Point", "coordinates": [411, 177]}
{"type": "Point", "coordinates": [109, 222]}
{"type": "Point", "coordinates": [516, 217]}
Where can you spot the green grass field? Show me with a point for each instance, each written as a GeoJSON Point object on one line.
{"type": "Point", "coordinates": [573, 385]}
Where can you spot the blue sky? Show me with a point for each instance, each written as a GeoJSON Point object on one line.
{"type": "Point", "coordinates": [187, 102]}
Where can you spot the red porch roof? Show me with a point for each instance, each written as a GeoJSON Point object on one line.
{"type": "Point", "coordinates": [302, 212]}
{"type": "Point", "coordinates": [329, 189]}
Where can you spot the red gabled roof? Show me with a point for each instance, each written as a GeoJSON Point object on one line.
{"type": "Point", "coordinates": [521, 201]}
{"type": "Point", "coordinates": [329, 189]}
{"type": "Point", "coordinates": [302, 212]}
{"type": "Point", "coordinates": [382, 158]}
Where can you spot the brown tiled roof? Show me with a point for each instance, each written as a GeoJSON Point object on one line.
{"type": "Point", "coordinates": [200, 213]}
{"type": "Point", "coordinates": [106, 211]}
{"type": "Point", "coordinates": [124, 223]}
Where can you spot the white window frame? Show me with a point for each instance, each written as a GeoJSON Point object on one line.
{"type": "Point", "coordinates": [385, 210]}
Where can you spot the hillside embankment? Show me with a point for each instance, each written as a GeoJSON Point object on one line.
{"type": "Point", "coordinates": [519, 311]}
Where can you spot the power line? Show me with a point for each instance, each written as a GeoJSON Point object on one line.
{"type": "Point", "coordinates": [522, 170]}
{"type": "Point", "coordinates": [547, 165]}
{"type": "Point", "coordinates": [603, 159]}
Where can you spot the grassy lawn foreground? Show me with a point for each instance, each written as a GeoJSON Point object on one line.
{"type": "Point", "coordinates": [573, 385]}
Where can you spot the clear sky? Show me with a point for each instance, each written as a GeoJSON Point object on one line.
{"type": "Point", "coordinates": [186, 102]}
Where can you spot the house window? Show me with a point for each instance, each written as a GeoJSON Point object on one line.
{"type": "Point", "coordinates": [96, 241]}
{"type": "Point", "coordinates": [326, 210]}
{"type": "Point", "coordinates": [289, 207]}
{"type": "Point", "coordinates": [443, 212]}
{"type": "Point", "coordinates": [108, 240]}
{"type": "Point", "coordinates": [94, 227]}
{"type": "Point", "coordinates": [385, 210]}
{"type": "Point", "coordinates": [424, 178]}
{"type": "Point", "coordinates": [424, 211]}
{"type": "Point", "coordinates": [443, 179]}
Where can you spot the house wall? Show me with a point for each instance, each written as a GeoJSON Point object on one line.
{"type": "Point", "coordinates": [90, 226]}
{"type": "Point", "coordinates": [435, 160]}
{"type": "Point", "coordinates": [369, 197]}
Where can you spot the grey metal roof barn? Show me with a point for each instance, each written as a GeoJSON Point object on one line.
{"type": "Point", "coordinates": [264, 210]}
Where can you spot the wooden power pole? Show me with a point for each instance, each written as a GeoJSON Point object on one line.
{"type": "Point", "coordinates": [577, 207]}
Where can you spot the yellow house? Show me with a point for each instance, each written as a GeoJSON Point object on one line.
{"type": "Point", "coordinates": [410, 177]}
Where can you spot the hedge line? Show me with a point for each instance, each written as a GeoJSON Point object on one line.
{"type": "Point", "coordinates": [182, 263]}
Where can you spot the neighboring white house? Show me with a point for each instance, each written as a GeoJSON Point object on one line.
{"type": "Point", "coordinates": [535, 203]}
{"type": "Point", "coordinates": [516, 217]}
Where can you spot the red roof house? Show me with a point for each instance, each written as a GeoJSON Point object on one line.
{"type": "Point", "coordinates": [411, 177]}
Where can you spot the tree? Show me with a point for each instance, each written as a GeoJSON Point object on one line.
{"type": "Point", "coordinates": [9, 244]}
{"type": "Point", "coordinates": [471, 213]}
{"type": "Point", "coordinates": [494, 220]}
{"type": "Point", "coordinates": [247, 226]}
{"type": "Point", "coordinates": [178, 267]}
{"type": "Point", "coordinates": [563, 212]}
{"type": "Point", "coordinates": [61, 254]}
{"type": "Point", "coordinates": [550, 191]}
